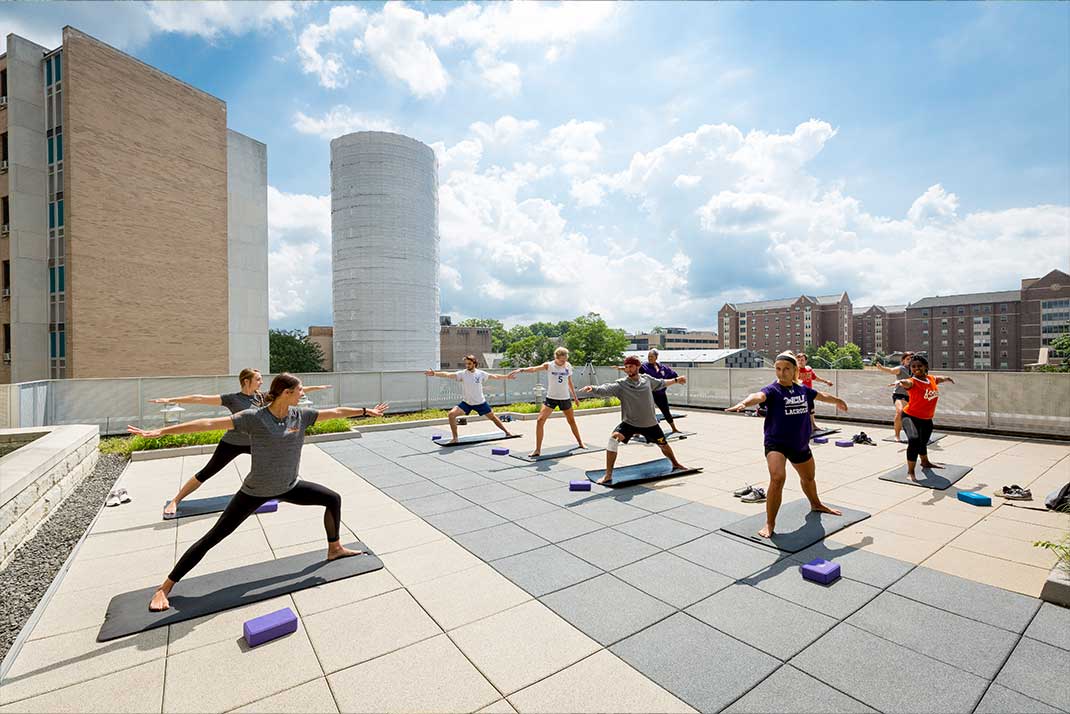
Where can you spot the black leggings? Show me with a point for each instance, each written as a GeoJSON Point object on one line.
{"type": "Point", "coordinates": [224, 453]}
{"type": "Point", "coordinates": [661, 398]}
{"type": "Point", "coordinates": [242, 505]}
{"type": "Point", "coordinates": [918, 433]}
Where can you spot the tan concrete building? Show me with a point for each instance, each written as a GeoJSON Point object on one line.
{"type": "Point", "coordinates": [772, 326]}
{"type": "Point", "coordinates": [323, 335]}
{"type": "Point", "coordinates": [675, 338]}
{"type": "Point", "coordinates": [136, 240]}
{"type": "Point", "coordinates": [455, 342]}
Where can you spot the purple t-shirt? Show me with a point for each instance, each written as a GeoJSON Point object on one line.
{"type": "Point", "coordinates": [658, 372]}
{"type": "Point", "coordinates": [787, 423]}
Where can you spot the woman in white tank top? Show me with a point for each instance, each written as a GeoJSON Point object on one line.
{"type": "Point", "coordinates": [560, 395]}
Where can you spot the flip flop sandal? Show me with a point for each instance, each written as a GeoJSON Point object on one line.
{"type": "Point", "coordinates": [740, 493]}
{"type": "Point", "coordinates": [755, 496]}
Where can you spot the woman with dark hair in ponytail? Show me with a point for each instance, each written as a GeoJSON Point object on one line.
{"type": "Point", "coordinates": [233, 442]}
{"type": "Point", "coordinates": [922, 393]}
{"type": "Point", "coordinates": [276, 433]}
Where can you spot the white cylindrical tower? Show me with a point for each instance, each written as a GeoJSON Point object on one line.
{"type": "Point", "coordinates": [384, 231]}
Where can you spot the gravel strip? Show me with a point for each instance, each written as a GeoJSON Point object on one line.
{"type": "Point", "coordinates": [36, 562]}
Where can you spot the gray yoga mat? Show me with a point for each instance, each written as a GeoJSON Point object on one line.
{"type": "Point", "coordinates": [199, 506]}
{"type": "Point", "coordinates": [936, 436]}
{"type": "Point", "coordinates": [669, 436]}
{"type": "Point", "coordinates": [823, 432]}
{"type": "Point", "coordinates": [937, 479]}
{"type": "Point", "coordinates": [675, 416]}
{"type": "Point", "coordinates": [129, 613]}
{"type": "Point", "coordinates": [797, 527]}
{"type": "Point", "coordinates": [476, 439]}
{"type": "Point", "coordinates": [558, 452]}
{"type": "Point", "coordinates": [638, 473]}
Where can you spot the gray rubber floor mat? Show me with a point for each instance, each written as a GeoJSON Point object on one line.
{"type": "Point", "coordinates": [797, 527]}
{"type": "Point", "coordinates": [558, 452]}
{"type": "Point", "coordinates": [638, 473]}
{"type": "Point", "coordinates": [936, 436]}
{"type": "Point", "coordinates": [937, 479]}
{"type": "Point", "coordinates": [202, 595]}
{"type": "Point", "coordinates": [199, 506]}
{"type": "Point", "coordinates": [476, 439]}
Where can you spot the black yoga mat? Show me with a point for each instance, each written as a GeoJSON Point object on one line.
{"type": "Point", "coordinates": [669, 436]}
{"type": "Point", "coordinates": [937, 479]}
{"type": "Point", "coordinates": [823, 432]}
{"type": "Point", "coordinates": [199, 506]}
{"type": "Point", "coordinates": [638, 473]}
{"type": "Point", "coordinates": [558, 452]}
{"type": "Point", "coordinates": [675, 416]}
{"type": "Point", "coordinates": [476, 439]}
{"type": "Point", "coordinates": [936, 436]}
{"type": "Point", "coordinates": [797, 527]}
{"type": "Point", "coordinates": [129, 613]}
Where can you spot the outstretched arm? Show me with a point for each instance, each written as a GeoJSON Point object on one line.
{"type": "Point", "coordinates": [889, 370]}
{"type": "Point", "coordinates": [941, 380]}
{"type": "Point", "coordinates": [536, 368]}
{"type": "Point", "coordinates": [215, 400]}
{"type": "Point", "coordinates": [443, 375]}
{"type": "Point", "coordinates": [317, 387]}
{"type": "Point", "coordinates": [749, 401]}
{"type": "Point", "coordinates": [189, 427]}
{"type": "Point", "coordinates": [511, 375]}
{"type": "Point", "coordinates": [821, 379]}
{"type": "Point", "coordinates": [675, 380]}
{"type": "Point", "coordinates": [345, 412]}
{"type": "Point", "coordinates": [829, 399]}
{"type": "Point", "coordinates": [605, 390]}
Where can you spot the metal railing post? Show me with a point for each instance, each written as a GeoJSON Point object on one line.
{"type": "Point", "coordinates": [988, 400]}
{"type": "Point", "coordinates": [140, 406]}
{"type": "Point", "coordinates": [730, 370]}
{"type": "Point", "coordinates": [380, 387]}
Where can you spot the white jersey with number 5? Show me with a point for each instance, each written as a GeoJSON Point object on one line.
{"type": "Point", "coordinates": [559, 377]}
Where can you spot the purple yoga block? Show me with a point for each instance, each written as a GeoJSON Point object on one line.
{"type": "Point", "coordinates": [584, 485]}
{"type": "Point", "coordinates": [267, 627]}
{"type": "Point", "coordinates": [821, 440]}
{"type": "Point", "coordinates": [845, 442]}
{"type": "Point", "coordinates": [499, 451]}
{"type": "Point", "coordinates": [268, 507]}
{"type": "Point", "coordinates": [436, 437]}
{"type": "Point", "coordinates": [820, 570]}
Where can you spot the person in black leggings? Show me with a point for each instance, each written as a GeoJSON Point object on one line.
{"type": "Point", "coordinates": [233, 442]}
{"type": "Point", "coordinates": [277, 433]}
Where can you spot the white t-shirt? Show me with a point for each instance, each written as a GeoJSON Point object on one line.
{"type": "Point", "coordinates": [472, 386]}
{"type": "Point", "coordinates": [559, 377]}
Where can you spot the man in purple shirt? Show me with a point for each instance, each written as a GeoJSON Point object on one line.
{"type": "Point", "coordinates": [787, 436]}
{"type": "Point", "coordinates": [652, 368]}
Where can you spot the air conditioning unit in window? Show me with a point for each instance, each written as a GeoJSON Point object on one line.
{"type": "Point", "coordinates": [6, 293]}
{"type": "Point", "coordinates": [3, 101]}
{"type": "Point", "coordinates": [4, 229]}
{"type": "Point", "coordinates": [7, 358]}
{"type": "Point", "coordinates": [3, 167]}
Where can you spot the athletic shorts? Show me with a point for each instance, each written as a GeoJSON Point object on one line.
{"type": "Point", "coordinates": [480, 409]}
{"type": "Point", "coordinates": [897, 397]}
{"type": "Point", "coordinates": [652, 434]}
{"type": "Point", "coordinates": [795, 457]}
{"type": "Point", "coordinates": [562, 404]}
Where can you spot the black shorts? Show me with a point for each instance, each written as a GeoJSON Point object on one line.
{"type": "Point", "coordinates": [562, 404]}
{"type": "Point", "coordinates": [795, 457]}
{"type": "Point", "coordinates": [897, 397]}
{"type": "Point", "coordinates": [652, 434]}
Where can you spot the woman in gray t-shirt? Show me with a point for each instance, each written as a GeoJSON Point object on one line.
{"type": "Point", "coordinates": [276, 434]}
{"type": "Point", "coordinates": [899, 396]}
{"type": "Point", "coordinates": [233, 442]}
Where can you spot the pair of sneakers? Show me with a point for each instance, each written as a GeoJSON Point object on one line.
{"type": "Point", "coordinates": [117, 496]}
{"type": "Point", "coordinates": [750, 494]}
{"type": "Point", "coordinates": [1016, 493]}
{"type": "Point", "coordinates": [863, 438]}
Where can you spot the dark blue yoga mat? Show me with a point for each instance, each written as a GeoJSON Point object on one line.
{"type": "Point", "coordinates": [797, 527]}
{"type": "Point", "coordinates": [476, 439]}
{"type": "Point", "coordinates": [638, 473]}
{"type": "Point", "coordinates": [558, 452]}
{"type": "Point", "coordinates": [199, 506]}
{"type": "Point", "coordinates": [937, 479]}
{"type": "Point", "coordinates": [675, 416]}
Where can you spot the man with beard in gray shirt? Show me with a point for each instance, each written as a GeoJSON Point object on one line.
{"type": "Point", "coordinates": [636, 394]}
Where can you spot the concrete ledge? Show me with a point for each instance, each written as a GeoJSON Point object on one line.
{"type": "Point", "coordinates": [1057, 588]}
{"type": "Point", "coordinates": [151, 454]}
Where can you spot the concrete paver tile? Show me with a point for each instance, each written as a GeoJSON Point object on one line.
{"type": "Point", "coordinates": [728, 555]}
{"type": "Point", "coordinates": [702, 516]}
{"type": "Point", "coordinates": [521, 506]}
{"type": "Point", "coordinates": [488, 494]}
{"type": "Point", "coordinates": [136, 690]}
{"type": "Point", "coordinates": [997, 546]}
{"type": "Point", "coordinates": [545, 569]}
{"type": "Point", "coordinates": [996, 524]}
{"type": "Point", "coordinates": [1051, 626]}
{"type": "Point", "coordinates": [649, 499]}
{"type": "Point", "coordinates": [558, 525]}
{"type": "Point", "coordinates": [428, 561]}
{"type": "Point", "coordinates": [362, 630]}
{"type": "Point", "coordinates": [1049, 519]}
{"type": "Point", "coordinates": [607, 511]}
{"type": "Point", "coordinates": [522, 645]}
{"type": "Point", "coordinates": [1038, 670]}
{"type": "Point", "coordinates": [441, 503]}
{"type": "Point", "coordinates": [977, 601]}
{"type": "Point", "coordinates": [608, 549]}
{"type": "Point", "coordinates": [500, 541]}
{"type": "Point", "coordinates": [415, 489]}
{"type": "Point", "coordinates": [857, 563]}
{"type": "Point", "coordinates": [607, 609]}
{"type": "Point", "coordinates": [219, 626]}
{"type": "Point", "coordinates": [672, 579]}
{"type": "Point", "coordinates": [502, 706]}
{"type": "Point", "coordinates": [1000, 700]}
{"type": "Point", "coordinates": [342, 592]}
{"type": "Point", "coordinates": [806, 694]}
{"type": "Point", "coordinates": [397, 536]}
{"type": "Point", "coordinates": [582, 688]}
{"type": "Point", "coordinates": [119, 569]}
{"type": "Point", "coordinates": [837, 599]}
{"type": "Point", "coordinates": [660, 531]}
{"type": "Point", "coordinates": [128, 541]}
{"type": "Point", "coordinates": [459, 598]}
{"type": "Point", "coordinates": [1018, 577]}
{"type": "Point", "coordinates": [69, 611]}
{"type": "Point", "coordinates": [429, 676]}
{"type": "Point", "coordinates": [308, 698]}
{"type": "Point", "coordinates": [454, 523]}
{"type": "Point", "coordinates": [892, 545]}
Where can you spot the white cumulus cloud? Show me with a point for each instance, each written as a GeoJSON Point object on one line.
{"type": "Point", "coordinates": [338, 121]}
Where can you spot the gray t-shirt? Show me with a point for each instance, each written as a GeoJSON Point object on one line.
{"type": "Point", "coordinates": [276, 447]}
{"type": "Point", "coordinates": [239, 402]}
{"type": "Point", "coordinates": [636, 398]}
{"type": "Point", "coordinates": [904, 373]}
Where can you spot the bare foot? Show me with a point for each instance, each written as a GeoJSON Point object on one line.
{"type": "Point", "coordinates": [170, 509]}
{"type": "Point", "coordinates": [581, 446]}
{"type": "Point", "coordinates": [452, 441]}
{"type": "Point", "coordinates": [336, 552]}
{"type": "Point", "coordinates": [679, 467]}
{"type": "Point", "coordinates": [822, 508]}
{"type": "Point", "coordinates": [912, 477]}
{"type": "Point", "coordinates": [159, 601]}
{"type": "Point", "coordinates": [533, 454]}
{"type": "Point", "coordinates": [766, 532]}
{"type": "Point", "coordinates": [931, 465]}
{"type": "Point", "coordinates": [605, 479]}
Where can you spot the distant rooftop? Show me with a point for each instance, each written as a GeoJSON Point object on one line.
{"type": "Point", "coordinates": [687, 355]}
{"type": "Point", "coordinates": [968, 299]}
{"type": "Point", "coordinates": [784, 302]}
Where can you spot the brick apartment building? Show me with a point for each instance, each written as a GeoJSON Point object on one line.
{"type": "Point", "coordinates": [121, 186]}
{"type": "Point", "coordinates": [880, 329]}
{"type": "Point", "coordinates": [772, 326]}
{"type": "Point", "coordinates": [675, 338]}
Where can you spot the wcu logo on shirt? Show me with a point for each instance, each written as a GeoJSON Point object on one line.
{"type": "Point", "coordinates": [794, 405]}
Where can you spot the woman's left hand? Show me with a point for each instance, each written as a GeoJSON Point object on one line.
{"type": "Point", "coordinates": [377, 410]}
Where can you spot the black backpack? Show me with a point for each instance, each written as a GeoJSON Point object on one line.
{"type": "Point", "coordinates": [1059, 500]}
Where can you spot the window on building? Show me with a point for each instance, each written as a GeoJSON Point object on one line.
{"type": "Point", "coordinates": [5, 208]}
{"type": "Point", "coordinates": [986, 308]}
{"type": "Point", "coordinates": [7, 338]}
{"type": "Point", "coordinates": [1002, 318]}
{"type": "Point", "coordinates": [3, 82]}
{"type": "Point", "coordinates": [1004, 365]}
{"type": "Point", "coordinates": [1003, 307]}
{"type": "Point", "coordinates": [925, 313]}
{"type": "Point", "coordinates": [3, 146]}
{"type": "Point", "coordinates": [6, 284]}
{"type": "Point", "coordinates": [960, 310]}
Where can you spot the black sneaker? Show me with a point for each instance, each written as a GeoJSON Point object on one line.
{"type": "Point", "coordinates": [740, 493]}
{"type": "Point", "coordinates": [757, 495]}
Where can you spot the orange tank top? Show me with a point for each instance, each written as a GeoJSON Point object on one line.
{"type": "Point", "coordinates": [923, 396]}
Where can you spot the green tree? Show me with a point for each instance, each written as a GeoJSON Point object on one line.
{"type": "Point", "coordinates": [590, 339]}
{"type": "Point", "coordinates": [657, 330]}
{"type": "Point", "coordinates": [497, 331]}
{"type": "Point", "coordinates": [292, 351]}
{"type": "Point", "coordinates": [880, 358]}
{"type": "Point", "coordinates": [550, 329]}
{"type": "Point", "coordinates": [515, 334]}
{"type": "Point", "coordinates": [530, 351]}
{"type": "Point", "coordinates": [832, 356]}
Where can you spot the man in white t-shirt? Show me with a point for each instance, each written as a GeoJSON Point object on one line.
{"type": "Point", "coordinates": [472, 398]}
{"type": "Point", "coordinates": [560, 395]}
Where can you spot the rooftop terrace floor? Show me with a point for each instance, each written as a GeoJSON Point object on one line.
{"type": "Point", "coordinates": [502, 591]}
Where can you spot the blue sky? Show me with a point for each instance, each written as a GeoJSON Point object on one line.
{"type": "Point", "coordinates": [649, 161]}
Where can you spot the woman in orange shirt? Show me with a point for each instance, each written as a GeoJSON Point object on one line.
{"type": "Point", "coordinates": [918, 414]}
